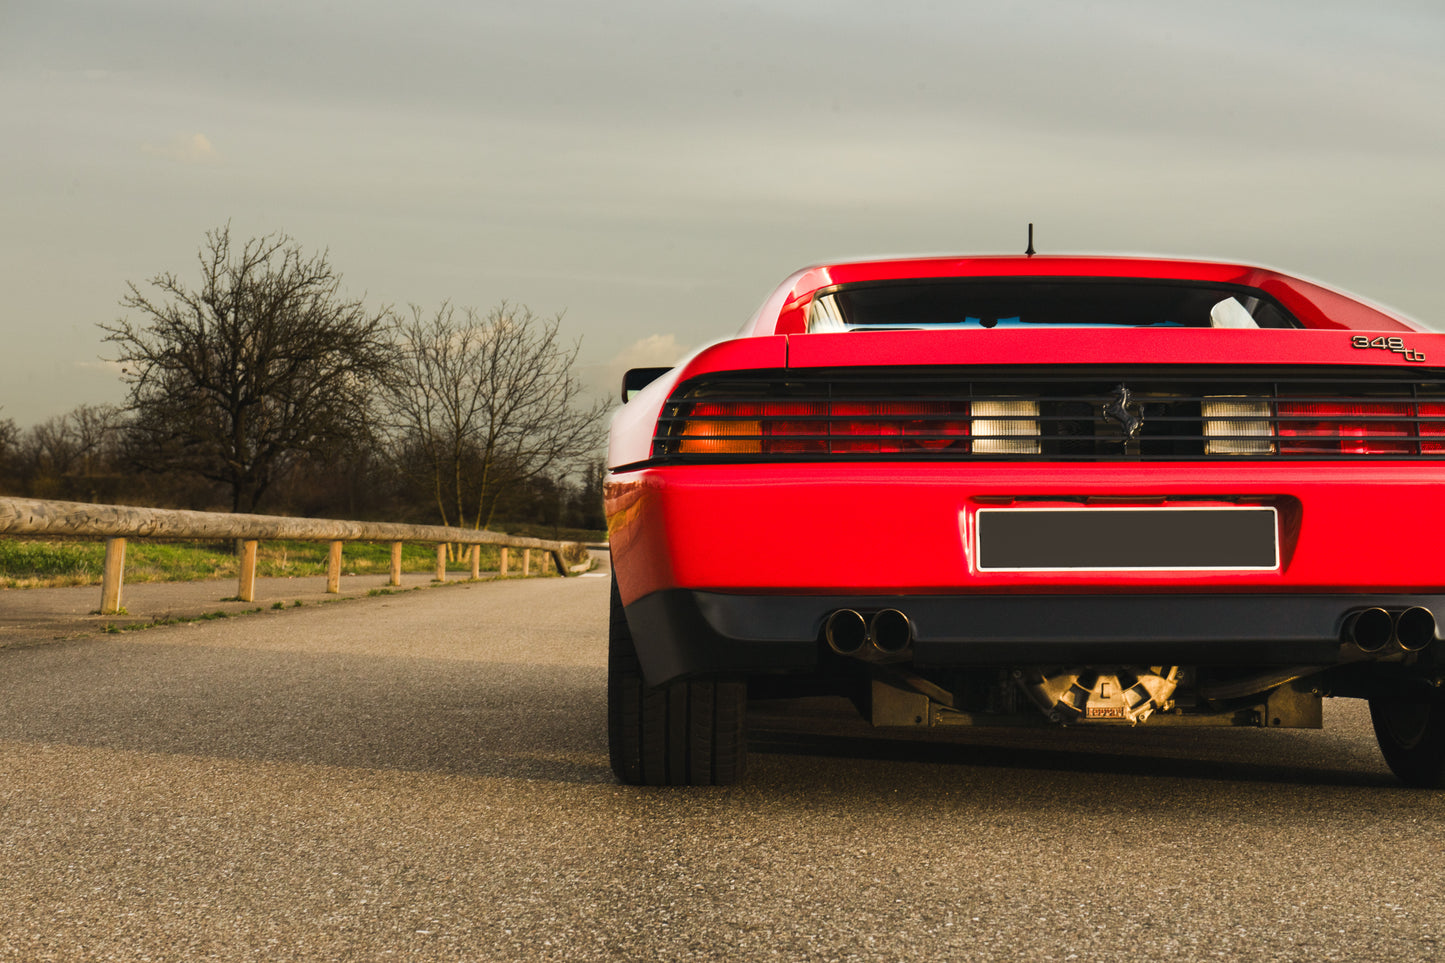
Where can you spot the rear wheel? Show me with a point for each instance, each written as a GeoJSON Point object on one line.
{"type": "Point", "coordinates": [1411, 733]}
{"type": "Point", "coordinates": [682, 734]}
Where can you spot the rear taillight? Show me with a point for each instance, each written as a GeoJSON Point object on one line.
{"type": "Point", "coordinates": [822, 427]}
{"type": "Point", "coordinates": [1345, 427]}
{"type": "Point", "coordinates": [1236, 425]}
{"type": "Point", "coordinates": [1305, 422]}
{"type": "Point", "coordinates": [895, 426]}
{"type": "Point", "coordinates": [721, 429]}
{"type": "Point", "coordinates": [794, 427]}
{"type": "Point", "coordinates": [1432, 432]}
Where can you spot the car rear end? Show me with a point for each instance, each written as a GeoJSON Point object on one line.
{"type": "Point", "coordinates": [1084, 524]}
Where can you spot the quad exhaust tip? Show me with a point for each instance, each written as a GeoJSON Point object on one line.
{"type": "Point", "coordinates": [1415, 628]}
{"type": "Point", "coordinates": [847, 632]}
{"type": "Point", "coordinates": [888, 633]}
{"type": "Point", "coordinates": [891, 632]}
{"type": "Point", "coordinates": [1372, 629]}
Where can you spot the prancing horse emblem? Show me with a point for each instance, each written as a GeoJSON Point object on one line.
{"type": "Point", "coordinates": [1122, 410]}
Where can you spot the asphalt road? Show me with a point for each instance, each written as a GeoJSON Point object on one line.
{"type": "Point", "coordinates": [424, 777]}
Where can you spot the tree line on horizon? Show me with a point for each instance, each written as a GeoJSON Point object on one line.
{"type": "Point", "coordinates": [264, 389]}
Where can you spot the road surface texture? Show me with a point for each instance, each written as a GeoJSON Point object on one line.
{"type": "Point", "coordinates": [424, 777]}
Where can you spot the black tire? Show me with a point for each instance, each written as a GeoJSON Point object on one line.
{"type": "Point", "coordinates": [1411, 733]}
{"type": "Point", "coordinates": [682, 734]}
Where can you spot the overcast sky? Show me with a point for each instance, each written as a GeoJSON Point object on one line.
{"type": "Point", "coordinates": [654, 169]}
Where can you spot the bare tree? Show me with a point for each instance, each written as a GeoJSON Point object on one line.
{"type": "Point", "coordinates": [489, 402]}
{"type": "Point", "coordinates": [9, 441]}
{"type": "Point", "coordinates": [73, 455]}
{"type": "Point", "coordinates": [73, 443]}
{"type": "Point", "coordinates": [263, 362]}
{"type": "Point", "coordinates": [50, 448]}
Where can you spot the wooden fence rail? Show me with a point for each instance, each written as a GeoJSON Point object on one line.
{"type": "Point", "coordinates": [116, 523]}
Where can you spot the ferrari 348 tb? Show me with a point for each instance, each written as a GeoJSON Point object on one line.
{"type": "Point", "coordinates": [1086, 491]}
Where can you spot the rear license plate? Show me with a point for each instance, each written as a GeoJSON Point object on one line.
{"type": "Point", "coordinates": [1234, 538]}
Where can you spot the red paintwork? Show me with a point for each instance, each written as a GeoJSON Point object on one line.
{"type": "Point", "coordinates": [899, 528]}
{"type": "Point", "coordinates": [810, 529]}
{"type": "Point", "coordinates": [1012, 346]}
{"type": "Point", "coordinates": [1315, 306]}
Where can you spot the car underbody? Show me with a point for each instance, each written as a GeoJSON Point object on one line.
{"type": "Point", "coordinates": [1240, 660]}
{"type": "Point", "coordinates": [1383, 650]}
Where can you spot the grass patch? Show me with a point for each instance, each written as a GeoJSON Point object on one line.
{"type": "Point", "coordinates": [32, 563]}
{"type": "Point", "coordinates": [49, 562]}
{"type": "Point", "coordinates": [357, 558]}
{"type": "Point", "coordinates": [112, 628]}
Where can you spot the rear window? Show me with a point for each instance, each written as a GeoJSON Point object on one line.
{"type": "Point", "coordinates": [1044, 303]}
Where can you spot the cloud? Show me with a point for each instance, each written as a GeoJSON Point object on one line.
{"type": "Point", "coordinates": [186, 149]}
{"type": "Point", "coordinates": [104, 365]}
{"type": "Point", "coordinates": [653, 351]}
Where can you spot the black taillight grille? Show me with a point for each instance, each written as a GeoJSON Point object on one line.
{"type": "Point", "coordinates": [1068, 414]}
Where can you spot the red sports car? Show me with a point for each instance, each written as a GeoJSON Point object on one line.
{"type": "Point", "coordinates": [1088, 491]}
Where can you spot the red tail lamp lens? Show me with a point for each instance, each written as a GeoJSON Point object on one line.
{"type": "Point", "coordinates": [1432, 433]}
{"type": "Point", "coordinates": [795, 427]}
{"type": "Point", "coordinates": [896, 426]}
{"type": "Point", "coordinates": [1345, 427]}
{"type": "Point", "coordinates": [789, 427]}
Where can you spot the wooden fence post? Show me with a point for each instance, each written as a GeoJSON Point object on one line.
{"type": "Point", "coordinates": [333, 570]}
{"type": "Point", "coordinates": [117, 523]}
{"type": "Point", "coordinates": [561, 564]}
{"type": "Point", "coordinates": [247, 590]}
{"type": "Point", "coordinates": [476, 562]}
{"type": "Point", "coordinates": [113, 575]}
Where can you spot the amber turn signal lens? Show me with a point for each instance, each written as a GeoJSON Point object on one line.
{"type": "Point", "coordinates": [721, 429]}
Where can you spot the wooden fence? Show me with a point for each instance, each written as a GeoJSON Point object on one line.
{"type": "Point", "coordinates": [116, 523]}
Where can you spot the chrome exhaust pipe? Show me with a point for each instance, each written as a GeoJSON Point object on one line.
{"type": "Point", "coordinates": [846, 632]}
{"type": "Point", "coordinates": [1415, 628]}
{"type": "Point", "coordinates": [1370, 629]}
{"type": "Point", "coordinates": [891, 632]}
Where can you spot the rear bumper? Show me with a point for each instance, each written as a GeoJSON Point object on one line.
{"type": "Point", "coordinates": [735, 568]}
{"type": "Point", "coordinates": [682, 633]}
{"type": "Point", "coordinates": [901, 529]}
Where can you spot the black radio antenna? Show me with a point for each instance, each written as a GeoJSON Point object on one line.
{"type": "Point", "coordinates": [1030, 251]}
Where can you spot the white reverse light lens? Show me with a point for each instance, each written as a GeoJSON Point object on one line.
{"type": "Point", "coordinates": [1235, 425]}
{"type": "Point", "coordinates": [1006, 427]}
